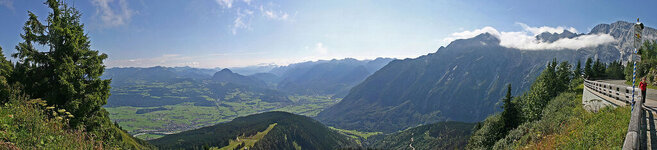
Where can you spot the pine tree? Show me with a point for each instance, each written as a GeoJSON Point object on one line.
{"type": "Point", "coordinates": [5, 72]}
{"type": "Point", "coordinates": [510, 115]}
{"type": "Point", "coordinates": [588, 70]}
{"type": "Point", "coordinates": [563, 77]}
{"type": "Point", "coordinates": [599, 69]}
{"type": "Point", "coordinates": [578, 69]}
{"type": "Point", "coordinates": [68, 73]}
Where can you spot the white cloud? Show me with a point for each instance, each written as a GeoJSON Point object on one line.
{"type": "Point", "coordinates": [246, 10]}
{"type": "Point", "coordinates": [7, 3]}
{"type": "Point", "coordinates": [271, 14]}
{"type": "Point", "coordinates": [539, 30]}
{"type": "Point", "coordinates": [242, 20]}
{"type": "Point", "coordinates": [319, 47]}
{"type": "Point", "coordinates": [470, 34]}
{"type": "Point", "coordinates": [225, 3]}
{"type": "Point", "coordinates": [526, 40]}
{"type": "Point", "coordinates": [113, 16]}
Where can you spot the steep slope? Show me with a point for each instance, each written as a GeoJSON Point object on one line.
{"type": "Point", "coordinates": [442, 135]}
{"type": "Point", "coordinates": [288, 131]}
{"type": "Point", "coordinates": [460, 82]}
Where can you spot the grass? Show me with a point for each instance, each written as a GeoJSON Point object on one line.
{"type": "Point", "coordinates": [356, 134]}
{"type": "Point", "coordinates": [25, 126]}
{"type": "Point", "coordinates": [249, 141]}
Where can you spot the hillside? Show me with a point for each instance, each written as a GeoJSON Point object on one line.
{"type": "Point", "coordinates": [278, 130]}
{"type": "Point", "coordinates": [460, 82]}
{"type": "Point", "coordinates": [442, 135]}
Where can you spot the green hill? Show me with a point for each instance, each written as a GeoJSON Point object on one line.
{"type": "Point", "coordinates": [270, 130]}
{"type": "Point", "coordinates": [442, 135]}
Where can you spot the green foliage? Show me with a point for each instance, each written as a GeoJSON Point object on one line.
{"type": "Point", "coordinates": [598, 70]}
{"type": "Point", "coordinates": [645, 67]}
{"type": "Point", "coordinates": [6, 69]}
{"type": "Point", "coordinates": [442, 135]}
{"type": "Point", "coordinates": [588, 68]}
{"type": "Point", "coordinates": [485, 136]}
{"type": "Point", "coordinates": [68, 74]}
{"type": "Point", "coordinates": [32, 124]}
{"type": "Point", "coordinates": [615, 70]}
{"type": "Point", "coordinates": [555, 79]}
{"type": "Point", "coordinates": [578, 69]}
{"type": "Point", "coordinates": [564, 124]}
{"type": "Point", "coordinates": [67, 77]}
{"type": "Point", "coordinates": [356, 134]}
{"type": "Point", "coordinates": [510, 114]}
{"type": "Point", "coordinates": [567, 125]}
{"type": "Point", "coordinates": [26, 126]}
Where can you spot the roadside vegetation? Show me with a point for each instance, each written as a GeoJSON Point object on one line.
{"type": "Point", "coordinates": [646, 67]}
{"type": "Point", "coordinates": [552, 117]}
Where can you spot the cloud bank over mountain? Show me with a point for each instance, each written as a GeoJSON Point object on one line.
{"type": "Point", "coordinates": [526, 38]}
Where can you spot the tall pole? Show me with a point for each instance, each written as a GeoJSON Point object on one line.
{"type": "Point", "coordinates": [638, 29]}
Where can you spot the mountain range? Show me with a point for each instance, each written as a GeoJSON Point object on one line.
{"type": "Point", "coordinates": [463, 81]}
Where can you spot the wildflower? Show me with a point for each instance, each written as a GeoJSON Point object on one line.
{"type": "Point", "coordinates": [11, 116]}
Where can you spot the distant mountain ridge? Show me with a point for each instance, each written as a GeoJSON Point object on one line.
{"type": "Point", "coordinates": [460, 82]}
{"type": "Point", "coordinates": [332, 77]}
{"type": "Point", "coordinates": [225, 75]}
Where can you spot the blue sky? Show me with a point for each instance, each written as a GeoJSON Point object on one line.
{"type": "Point", "coordinates": [231, 33]}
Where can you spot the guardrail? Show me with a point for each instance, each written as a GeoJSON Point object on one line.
{"type": "Point", "coordinates": [623, 93]}
{"type": "Point", "coordinates": [618, 92]}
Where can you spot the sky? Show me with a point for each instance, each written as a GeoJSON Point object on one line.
{"type": "Point", "coordinates": [235, 33]}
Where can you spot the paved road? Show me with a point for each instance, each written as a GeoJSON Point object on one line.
{"type": "Point", "coordinates": [651, 95]}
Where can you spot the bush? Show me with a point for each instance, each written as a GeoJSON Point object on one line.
{"type": "Point", "coordinates": [26, 126]}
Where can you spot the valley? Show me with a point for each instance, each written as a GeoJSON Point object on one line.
{"type": "Point", "coordinates": [152, 102]}
{"type": "Point", "coordinates": [168, 119]}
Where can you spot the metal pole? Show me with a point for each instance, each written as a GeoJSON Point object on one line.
{"type": "Point", "coordinates": [633, 79]}
{"type": "Point", "coordinates": [638, 29]}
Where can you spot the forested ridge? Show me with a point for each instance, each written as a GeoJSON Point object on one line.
{"type": "Point", "coordinates": [290, 131]}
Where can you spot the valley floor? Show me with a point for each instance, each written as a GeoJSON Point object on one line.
{"type": "Point", "coordinates": [155, 122]}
